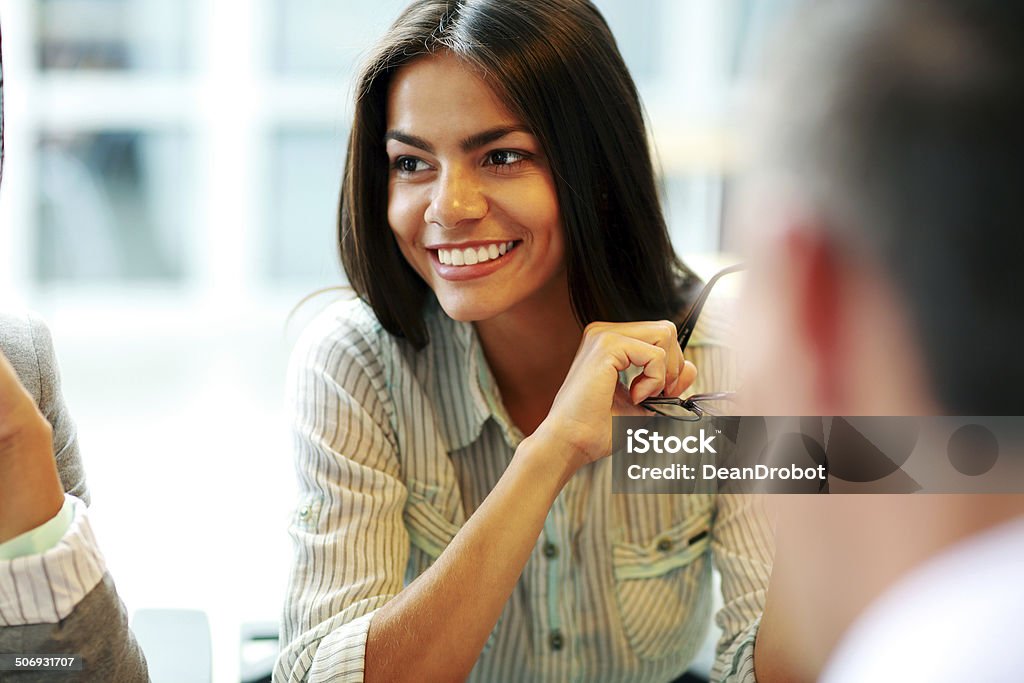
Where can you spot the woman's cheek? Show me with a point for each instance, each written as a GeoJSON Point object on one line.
{"type": "Point", "coordinates": [405, 225]}
{"type": "Point", "coordinates": [405, 221]}
{"type": "Point", "coordinates": [400, 215]}
{"type": "Point", "coordinates": [533, 204]}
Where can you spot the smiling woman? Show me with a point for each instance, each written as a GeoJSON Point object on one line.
{"type": "Point", "coordinates": [550, 76]}
{"type": "Point", "coordinates": [466, 178]}
{"type": "Point", "coordinates": [500, 223]}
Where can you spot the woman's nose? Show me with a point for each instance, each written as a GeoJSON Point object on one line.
{"type": "Point", "coordinates": [457, 198]}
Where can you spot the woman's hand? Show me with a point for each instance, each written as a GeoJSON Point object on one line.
{"type": "Point", "coordinates": [580, 416]}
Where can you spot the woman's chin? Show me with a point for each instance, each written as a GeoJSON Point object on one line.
{"type": "Point", "coordinates": [468, 311]}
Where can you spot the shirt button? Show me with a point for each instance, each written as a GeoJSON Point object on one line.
{"type": "Point", "coordinates": [304, 512]}
{"type": "Point", "coordinates": [550, 549]}
{"type": "Point", "coordinates": [556, 640]}
{"type": "Point", "coordinates": [665, 544]}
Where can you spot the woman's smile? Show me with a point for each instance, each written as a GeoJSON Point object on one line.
{"type": "Point", "coordinates": [472, 260]}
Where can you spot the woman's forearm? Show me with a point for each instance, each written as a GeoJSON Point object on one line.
{"type": "Point", "coordinates": [436, 627]}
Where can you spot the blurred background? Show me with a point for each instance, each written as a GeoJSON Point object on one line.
{"type": "Point", "coordinates": [168, 199]}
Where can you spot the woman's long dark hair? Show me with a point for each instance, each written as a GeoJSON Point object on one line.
{"type": "Point", "coordinates": [555, 65]}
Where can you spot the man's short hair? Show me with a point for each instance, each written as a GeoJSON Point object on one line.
{"type": "Point", "coordinates": [904, 121]}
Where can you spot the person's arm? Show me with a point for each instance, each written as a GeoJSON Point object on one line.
{"type": "Point", "coordinates": [453, 606]}
{"type": "Point", "coordinates": [30, 490]}
{"type": "Point", "coordinates": [45, 536]}
{"type": "Point", "coordinates": [56, 596]}
{"type": "Point", "coordinates": [348, 615]}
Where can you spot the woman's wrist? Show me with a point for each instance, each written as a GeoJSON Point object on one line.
{"type": "Point", "coordinates": [549, 456]}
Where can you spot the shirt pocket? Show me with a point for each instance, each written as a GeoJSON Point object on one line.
{"type": "Point", "coordinates": [662, 587]}
{"type": "Point", "coordinates": [430, 532]}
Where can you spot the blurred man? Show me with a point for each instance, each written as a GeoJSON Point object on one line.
{"type": "Point", "coordinates": [886, 216]}
{"type": "Point", "coordinates": [56, 596]}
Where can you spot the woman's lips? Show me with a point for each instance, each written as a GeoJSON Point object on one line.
{"type": "Point", "coordinates": [456, 273]}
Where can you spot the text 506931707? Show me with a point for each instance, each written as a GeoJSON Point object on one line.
{"type": "Point", "coordinates": [13, 662]}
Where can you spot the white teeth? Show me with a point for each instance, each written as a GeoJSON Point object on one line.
{"type": "Point", "coordinates": [473, 255]}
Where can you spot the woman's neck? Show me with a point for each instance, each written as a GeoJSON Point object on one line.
{"type": "Point", "coordinates": [529, 350]}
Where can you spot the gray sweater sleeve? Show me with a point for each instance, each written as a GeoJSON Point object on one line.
{"type": "Point", "coordinates": [97, 628]}
{"type": "Point", "coordinates": [97, 631]}
{"type": "Point", "coordinates": [51, 404]}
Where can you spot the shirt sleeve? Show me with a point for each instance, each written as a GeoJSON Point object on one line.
{"type": "Point", "coordinates": [52, 405]}
{"type": "Point", "coordinates": [743, 548]}
{"type": "Point", "coordinates": [42, 538]}
{"type": "Point", "coordinates": [44, 587]}
{"type": "Point", "coordinates": [351, 545]}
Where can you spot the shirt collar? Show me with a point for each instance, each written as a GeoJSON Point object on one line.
{"type": "Point", "coordinates": [467, 393]}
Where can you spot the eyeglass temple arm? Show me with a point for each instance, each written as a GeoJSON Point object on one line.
{"type": "Point", "coordinates": [690, 321]}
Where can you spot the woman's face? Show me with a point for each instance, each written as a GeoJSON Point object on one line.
{"type": "Point", "coordinates": [471, 199]}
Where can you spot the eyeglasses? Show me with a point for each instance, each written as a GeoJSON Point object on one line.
{"type": "Point", "coordinates": [695, 407]}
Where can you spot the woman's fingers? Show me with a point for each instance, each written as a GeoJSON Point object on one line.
{"type": "Point", "coordinates": [662, 333]}
{"type": "Point", "coordinates": [687, 376]}
{"type": "Point", "coordinates": [654, 361]}
{"type": "Point", "coordinates": [622, 405]}
{"type": "Point", "coordinates": [580, 412]}
{"type": "Point", "coordinates": [678, 374]}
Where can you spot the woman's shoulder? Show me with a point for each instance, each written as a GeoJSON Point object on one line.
{"type": "Point", "coordinates": [716, 325]}
{"type": "Point", "coordinates": [712, 348]}
{"type": "Point", "coordinates": [348, 328]}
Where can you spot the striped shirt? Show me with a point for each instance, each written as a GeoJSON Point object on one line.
{"type": "Point", "coordinates": [44, 587]}
{"type": "Point", "coordinates": [395, 449]}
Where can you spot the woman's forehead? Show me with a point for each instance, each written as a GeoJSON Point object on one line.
{"type": "Point", "coordinates": [443, 98]}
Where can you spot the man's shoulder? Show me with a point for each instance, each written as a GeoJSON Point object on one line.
{"type": "Point", "coordinates": [946, 620]}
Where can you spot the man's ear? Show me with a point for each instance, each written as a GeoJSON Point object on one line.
{"type": "Point", "coordinates": [817, 278]}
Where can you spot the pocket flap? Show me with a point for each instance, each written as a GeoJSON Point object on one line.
{"type": "Point", "coordinates": [671, 549]}
{"type": "Point", "coordinates": [429, 530]}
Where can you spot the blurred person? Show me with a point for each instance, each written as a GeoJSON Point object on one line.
{"type": "Point", "coordinates": [56, 596]}
{"type": "Point", "coordinates": [500, 222]}
{"type": "Point", "coordinates": [884, 210]}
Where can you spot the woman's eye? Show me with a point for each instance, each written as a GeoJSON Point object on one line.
{"type": "Point", "coordinates": [504, 157]}
{"type": "Point", "coordinates": [409, 165]}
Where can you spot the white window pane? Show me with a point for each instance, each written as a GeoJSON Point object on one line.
{"type": "Point", "coordinates": [112, 206]}
{"type": "Point", "coordinates": [328, 37]}
{"type": "Point", "coordinates": [112, 35]}
{"type": "Point", "coordinates": [306, 173]}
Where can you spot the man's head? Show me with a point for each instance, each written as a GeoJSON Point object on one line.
{"type": "Point", "coordinates": [886, 210]}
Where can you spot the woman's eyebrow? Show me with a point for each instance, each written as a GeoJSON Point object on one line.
{"type": "Point", "coordinates": [475, 141]}
{"type": "Point", "coordinates": [478, 140]}
{"type": "Point", "coordinates": [411, 140]}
